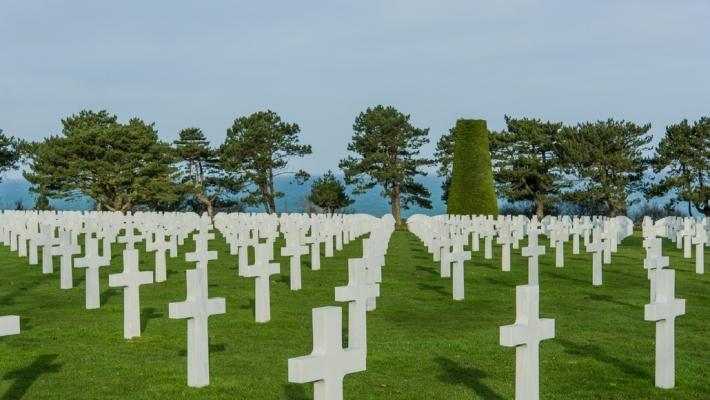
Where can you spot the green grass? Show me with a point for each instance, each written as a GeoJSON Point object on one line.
{"type": "Point", "coordinates": [422, 345]}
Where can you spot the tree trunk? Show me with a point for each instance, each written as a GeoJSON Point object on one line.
{"type": "Point", "coordinates": [394, 199]}
{"type": "Point", "coordinates": [539, 208]}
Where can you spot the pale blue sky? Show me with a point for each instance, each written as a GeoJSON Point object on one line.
{"type": "Point", "coordinates": [319, 63]}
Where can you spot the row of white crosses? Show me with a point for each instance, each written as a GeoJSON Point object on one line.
{"type": "Point", "coordinates": [685, 232]}
{"type": "Point", "coordinates": [329, 362]}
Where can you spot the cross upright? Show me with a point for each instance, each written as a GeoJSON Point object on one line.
{"type": "Point", "coordinates": [129, 237]}
{"type": "Point", "coordinates": [664, 311]}
{"type": "Point", "coordinates": [197, 308]}
{"type": "Point", "coordinates": [295, 250]}
{"type": "Point", "coordinates": [458, 257]}
{"type": "Point", "coordinates": [561, 235]}
{"type": "Point", "coordinates": [160, 246]}
{"type": "Point", "coordinates": [201, 255]}
{"type": "Point", "coordinates": [92, 262]}
{"type": "Point", "coordinates": [655, 262]}
{"type": "Point", "coordinates": [445, 256]}
{"type": "Point", "coordinates": [131, 279]}
{"type": "Point", "coordinates": [505, 239]}
{"type": "Point", "coordinates": [47, 241]}
{"type": "Point", "coordinates": [328, 364]}
{"type": "Point", "coordinates": [687, 234]}
{"type": "Point", "coordinates": [262, 270]}
{"type": "Point", "coordinates": [533, 252]}
{"type": "Point", "coordinates": [66, 250]}
{"type": "Point", "coordinates": [356, 294]}
{"type": "Point", "coordinates": [596, 247]}
{"type": "Point", "coordinates": [700, 239]}
{"type": "Point", "coordinates": [525, 335]}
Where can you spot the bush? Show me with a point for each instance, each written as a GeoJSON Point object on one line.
{"type": "Point", "coordinates": [472, 191]}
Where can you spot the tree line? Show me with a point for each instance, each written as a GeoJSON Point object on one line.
{"type": "Point", "coordinates": [588, 168]}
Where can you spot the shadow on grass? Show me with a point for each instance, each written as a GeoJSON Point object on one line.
{"type": "Point", "coordinates": [147, 314]}
{"type": "Point", "coordinates": [455, 374]}
{"type": "Point", "coordinates": [107, 294]}
{"type": "Point", "coordinates": [596, 352]}
{"type": "Point", "coordinates": [25, 377]}
{"type": "Point", "coordinates": [433, 288]}
{"type": "Point", "coordinates": [430, 270]}
{"type": "Point", "coordinates": [214, 348]}
{"type": "Point", "coordinates": [295, 392]}
{"type": "Point", "coordinates": [608, 299]}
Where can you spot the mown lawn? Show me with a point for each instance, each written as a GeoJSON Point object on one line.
{"type": "Point", "coordinates": [422, 345]}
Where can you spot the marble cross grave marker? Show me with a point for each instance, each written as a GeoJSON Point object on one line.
{"type": "Point", "coordinates": [262, 270]}
{"type": "Point", "coordinates": [295, 250]}
{"type": "Point", "coordinates": [525, 335]}
{"type": "Point", "coordinates": [92, 262]}
{"type": "Point", "coordinates": [328, 364]}
{"type": "Point", "coordinates": [664, 311]}
{"type": "Point", "coordinates": [197, 308]}
{"type": "Point", "coordinates": [131, 279]}
{"type": "Point", "coordinates": [356, 293]}
{"type": "Point", "coordinates": [533, 252]}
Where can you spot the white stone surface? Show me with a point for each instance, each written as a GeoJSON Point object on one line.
{"type": "Point", "coordinates": [533, 251]}
{"type": "Point", "coordinates": [131, 280]}
{"type": "Point", "coordinates": [664, 311]}
{"type": "Point", "coordinates": [525, 335]}
{"type": "Point", "coordinates": [92, 262]}
{"type": "Point", "coordinates": [262, 270]}
{"type": "Point", "coordinates": [197, 308]}
{"type": "Point", "coordinates": [9, 325]}
{"type": "Point", "coordinates": [328, 364]}
{"type": "Point", "coordinates": [356, 293]}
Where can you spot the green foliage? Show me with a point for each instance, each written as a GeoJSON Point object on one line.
{"type": "Point", "coordinates": [684, 154]}
{"type": "Point", "coordinates": [387, 148]}
{"type": "Point", "coordinates": [120, 166]}
{"type": "Point", "coordinates": [329, 194]}
{"type": "Point", "coordinates": [606, 157]}
{"type": "Point", "coordinates": [472, 191]}
{"type": "Point", "coordinates": [527, 163]}
{"type": "Point", "coordinates": [444, 155]}
{"type": "Point", "coordinates": [42, 203]}
{"type": "Point", "coordinates": [258, 149]}
{"type": "Point", "coordinates": [9, 153]}
{"type": "Point", "coordinates": [202, 174]}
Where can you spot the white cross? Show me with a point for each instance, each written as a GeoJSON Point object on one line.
{"type": "Point", "coordinates": [458, 257]}
{"type": "Point", "coordinates": [533, 252]}
{"type": "Point", "coordinates": [66, 249]}
{"type": "Point", "coordinates": [262, 270]}
{"type": "Point", "coordinates": [197, 309]}
{"type": "Point", "coordinates": [47, 235]}
{"type": "Point", "coordinates": [131, 279]}
{"type": "Point", "coordinates": [561, 234]}
{"type": "Point", "coordinates": [597, 248]}
{"type": "Point", "coordinates": [445, 257]}
{"type": "Point", "coordinates": [160, 246]}
{"type": "Point", "coordinates": [687, 234]}
{"type": "Point", "coordinates": [525, 335]}
{"type": "Point", "coordinates": [655, 262]}
{"type": "Point", "coordinates": [328, 364]}
{"type": "Point", "coordinates": [664, 311]}
{"type": "Point", "coordinates": [92, 262]}
{"type": "Point", "coordinates": [295, 250]}
{"type": "Point", "coordinates": [699, 240]}
{"type": "Point", "coordinates": [129, 237]}
{"type": "Point", "coordinates": [505, 240]}
{"type": "Point", "coordinates": [201, 255]}
{"type": "Point", "coordinates": [356, 294]}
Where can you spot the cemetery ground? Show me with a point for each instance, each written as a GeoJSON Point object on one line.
{"type": "Point", "coordinates": [421, 344]}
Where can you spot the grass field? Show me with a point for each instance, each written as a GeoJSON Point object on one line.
{"type": "Point", "coordinates": [422, 345]}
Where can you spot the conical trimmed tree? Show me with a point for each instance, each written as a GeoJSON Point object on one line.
{"type": "Point", "coordinates": [472, 191]}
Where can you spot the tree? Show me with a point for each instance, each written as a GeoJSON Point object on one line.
{"type": "Point", "coordinates": [606, 158]}
{"type": "Point", "coordinates": [527, 162]}
{"type": "Point", "coordinates": [387, 148]}
{"type": "Point", "coordinates": [329, 194]}
{"type": "Point", "coordinates": [684, 155]}
{"type": "Point", "coordinates": [202, 174]}
{"type": "Point", "coordinates": [119, 166]}
{"type": "Point", "coordinates": [10, 153]}
{"type": "Point", "coordinates": [444, 155]}
{"type": "Point", "coordinates": [42, 203]}
{"type": "Point", "coordinates": [258, 148]}
{"type": "Point", "coordinates": [471, 191]}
